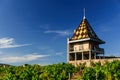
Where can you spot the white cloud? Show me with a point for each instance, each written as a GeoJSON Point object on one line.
{"type": "Point", "coordinates": [59, 53]}
{"type": "Point", "coordinates": [59, 32]}
{"type": "Point", "coordinates": [104, 28]}
{"type": "Point", "coordinates": [24, 58]}
{"type": "Point", "coordinates": [10, 43]}
{"type": "Point", "coordinates": [116, 54]}
{"type": "Point", "coordinates": [1, 52]}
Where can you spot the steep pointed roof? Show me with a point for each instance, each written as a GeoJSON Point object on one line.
{"type": "Point", "coordinates": [84, 31]}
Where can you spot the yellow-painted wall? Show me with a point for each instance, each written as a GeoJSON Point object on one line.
{"type": "Point", "coordinates": [86, 46]}
{"type": "Point", "coordinates": [81, 46]}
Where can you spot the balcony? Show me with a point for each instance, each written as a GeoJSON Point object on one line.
{"type": "Point", "coordinates": [71, 49]}
{"type": "Point", "coordinates": [97, 50]}
{"type": "Point", "coordinates": [77, 50]}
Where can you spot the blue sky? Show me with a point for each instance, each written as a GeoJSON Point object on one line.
{"type": "Point", "coordinates": [36, 31]}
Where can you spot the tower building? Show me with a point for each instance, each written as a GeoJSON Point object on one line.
{"type": "Point", "coordinates": [83, 46]}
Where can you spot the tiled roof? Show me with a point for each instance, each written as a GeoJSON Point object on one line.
{"type": "Point", "coordinates": [84, 30]}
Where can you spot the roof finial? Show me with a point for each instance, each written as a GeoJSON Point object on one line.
{"type": "Point", "coordinates": [84, 13]}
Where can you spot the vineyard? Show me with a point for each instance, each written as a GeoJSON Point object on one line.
{"type": "Point", "coordinates": [61, 71]}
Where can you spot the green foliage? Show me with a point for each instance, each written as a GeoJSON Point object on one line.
{"type": "Point", "coordinates": [89, 74]}
{"type": "Point", "coordinates": [36, 72]}
{"type": "Point", "coordinates": [57, 71]}
{"type": "Point", "coordinates": [108, 71]}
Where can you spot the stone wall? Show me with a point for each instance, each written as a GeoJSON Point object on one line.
{"type": "Point", "coordinates": [77, 62]}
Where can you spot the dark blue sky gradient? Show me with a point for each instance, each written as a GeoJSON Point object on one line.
{"type": "Point", "coordinates": [27, 21]}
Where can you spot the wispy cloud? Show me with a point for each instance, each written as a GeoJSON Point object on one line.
{"type": "Point", "coordinates": [49, 50]}
{"type": "Point", "coordinates": [44, 27]}
{"type": "Point", "coordinates": [59, 53]}
{"type": "Point", "coordinates": [59, 32]}
{"type": "Point", "coordinates": [24, 58]}
{"type": "Point", "coordinates": [1, 52]}
{"type": "Point", "coordinates": [104, 28]}
{"type": "Point", "coordinates": [116, 54]}
{"type": "Point", "coordinates": [10, 43]}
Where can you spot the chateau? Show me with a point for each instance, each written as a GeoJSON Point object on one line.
{"type": "Point", "coordinates": [83, 46]}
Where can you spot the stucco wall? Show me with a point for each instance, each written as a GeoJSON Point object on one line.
{"type": "Point", "coordinates": [82, 46]}
{"type": "Point", "coordinates": [77, 62]}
